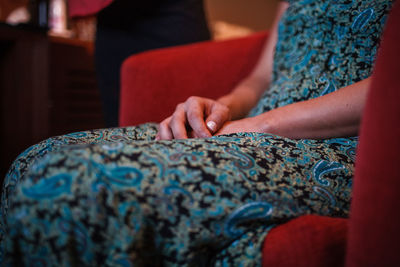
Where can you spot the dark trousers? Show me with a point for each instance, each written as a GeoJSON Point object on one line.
{"type": "Point", "coordinates": [125, 28]}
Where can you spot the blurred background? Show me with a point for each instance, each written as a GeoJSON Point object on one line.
{"type": "Point", "coordinates": [227, 18]}
{"type": "Point", "coordinates": [47, 74]}
{"type": "Point", "coordinates": [239, 16]}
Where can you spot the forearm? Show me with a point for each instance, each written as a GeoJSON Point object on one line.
{"type": "Point", "coordinates": [244, 97]}
{"type": "Point", "coordinates": [337, 114]}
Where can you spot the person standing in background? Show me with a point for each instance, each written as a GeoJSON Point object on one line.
{"type": "Point", "coordinates": [126, 27]}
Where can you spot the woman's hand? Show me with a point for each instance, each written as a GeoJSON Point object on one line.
{"type": "Point", "coordinates": [197, 117]}
{"type": "Point", "coordinates": [253, 124]}
{"type": "Point", "coordinates": [337, 114]}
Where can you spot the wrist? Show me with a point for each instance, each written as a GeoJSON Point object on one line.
{"type": "Point", "coordinates": [228, 103]}
{"type": "Point", "coordinates": [267, 122]}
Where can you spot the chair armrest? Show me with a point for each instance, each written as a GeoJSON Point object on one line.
{"type": "Point", "coordinates": [154, 82]}
{"type": "Point", "coordinates": [374, 227]}
{"type": "Point", "coordinates": [306, 241]}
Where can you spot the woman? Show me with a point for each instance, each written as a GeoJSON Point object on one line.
{"type": "Point", "coordinates": [117, 196]}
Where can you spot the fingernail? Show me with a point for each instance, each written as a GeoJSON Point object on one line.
{"type": "Point", "coordinates": [212, 126]}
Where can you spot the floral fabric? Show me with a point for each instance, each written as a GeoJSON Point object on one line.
{"type": "Point", "coordinates": [116, 197]}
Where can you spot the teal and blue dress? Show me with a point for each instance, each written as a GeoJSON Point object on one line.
{"type": "Point", "coordinates": [116, 197]}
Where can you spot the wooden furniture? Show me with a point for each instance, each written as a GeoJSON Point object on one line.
{"type": "Point", "coordinates": [47, 88]}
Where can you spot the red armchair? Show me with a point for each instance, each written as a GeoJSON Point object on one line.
{"type": "Point", "coordinates": [154, 82]}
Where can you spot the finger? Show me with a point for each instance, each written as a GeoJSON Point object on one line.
{"type": "Point", "coordinates": [164, 132]}
{"type": "Point", "coordinates": [178, 124]}
{"type": "Point", "coordinates": [191, 134]}
{"type": "Point", "coordinates": [218, 116]}
{"type": "Point", "coordinates": [195, 118]}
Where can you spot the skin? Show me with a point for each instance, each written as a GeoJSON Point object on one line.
{"type": "Point", "coordinates": [337, 114]}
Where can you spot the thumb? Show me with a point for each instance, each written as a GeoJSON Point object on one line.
{"type": "Point", "coordinates": [212, 126]}
{"type": "Point", "coordinates": [217, 119]}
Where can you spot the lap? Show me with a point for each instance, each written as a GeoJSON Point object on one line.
{"type": "Point", "coordinates": [211, 188]}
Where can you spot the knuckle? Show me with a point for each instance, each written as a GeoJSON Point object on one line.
{"type": "Point", "coordinates": [222, 108]}
{"type": "Point", "coordinates": [192, 115]}
{"type": "Point", "coordinates": [192, 99]}
{"type": "Point", "coordinates": [165, 122]}
{"type": "Point", "coordinates": [174, 124]}
{"type": "Point", "coordinates": [174, 118]}
{"type": "Point", "coordinates": [224, 112]}
{"type": "Point", "coordinates": [179, 106]}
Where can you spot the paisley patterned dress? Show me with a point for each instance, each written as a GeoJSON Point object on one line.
{"type": "Point", "coordinates": [116, 197]}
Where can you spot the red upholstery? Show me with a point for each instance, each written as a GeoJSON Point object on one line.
{"type": "Point", "coordinates": [308, 241]}
{"type": "Point", "coordinates": [153, 83]}
{"type": "Point", "coordinates": [79, 8]}
{"type": "Point", "coordinates": [374, 228]}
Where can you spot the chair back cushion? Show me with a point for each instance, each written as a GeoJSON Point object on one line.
{"type": "Point", "coordinates": [374, 227]}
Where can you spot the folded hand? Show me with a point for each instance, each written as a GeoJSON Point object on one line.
{"type": "Point", "coordinates": [196, 117]}
{"type": "Point", "coordinates": [253, 124]}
